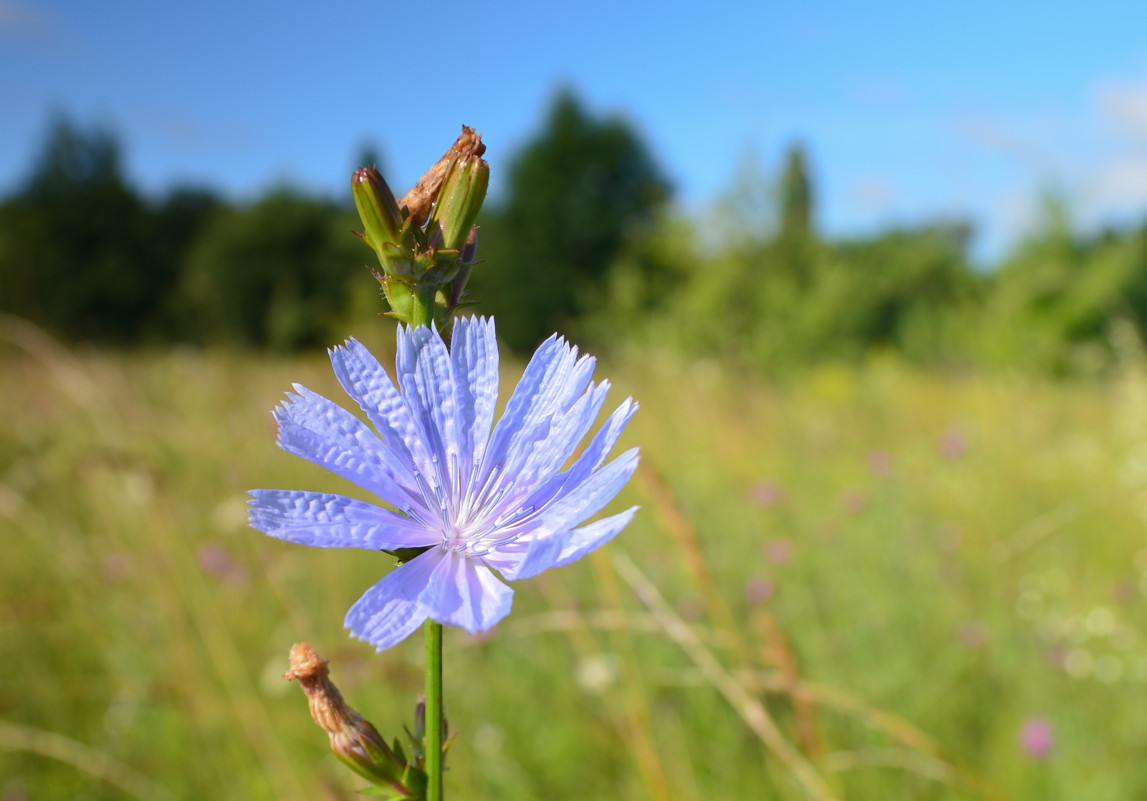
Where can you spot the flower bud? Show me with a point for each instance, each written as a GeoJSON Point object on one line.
{"type": "Point", "coordinates": [354, 740]}
{"type": "Point", "coordinates": [459, 201]}
{"type": "Point", "coordinates": [421, 198]}
{"type": "Point", "coordinates": [425, 269]}
{"type": "Point", "coordinates": [377, 208]}
{"type": "Point", "coordinates": [418, 736]}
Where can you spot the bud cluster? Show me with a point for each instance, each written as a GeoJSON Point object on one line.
{"type": "Point", "coordinates": [426, 242]}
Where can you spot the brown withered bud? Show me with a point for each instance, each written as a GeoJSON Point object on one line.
{"type": "Point", "coordinates": [353, 739]}
{"type": "Point", "coordinates": [420, 199]}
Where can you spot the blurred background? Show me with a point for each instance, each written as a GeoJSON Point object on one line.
{"type": "Point", "coordinates": [877, 276]}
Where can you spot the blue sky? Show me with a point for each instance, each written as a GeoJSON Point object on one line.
{"type": "Point", "coordinates": [909, 111]}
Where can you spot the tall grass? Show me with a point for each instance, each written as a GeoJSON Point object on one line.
{"type": "Point", "coordinates": [858, 584]}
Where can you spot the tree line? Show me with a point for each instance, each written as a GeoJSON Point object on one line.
{"type": "Point", "coordinates": [585, 240]}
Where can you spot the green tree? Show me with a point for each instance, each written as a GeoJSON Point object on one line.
{"type": "Point", "coordinates": [74, 250]}
{"type": "Point", "coordinates": [796, 192]}
{"type": "Point", "coordinates": [175, 226]}
{"type": "Point", "coordinates": [1135, 287]}
{"type": "Point", "coordinates": [276, 274]}
{"type": "Point", "coordinates": [899, 290]}
{"type": "Point", "coordinates": [763, 288]}
{"type": "Point", "coordinates": [792, 254]}
{"type": "Point", "coordinates": [1054, 297]}
{"type": "Point", "coordinates": [574, 197]}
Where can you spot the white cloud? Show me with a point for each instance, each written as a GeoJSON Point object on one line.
{"type": "Point", "coordinates": [1123, 181]}
{"type": "Point", "coordinates": [1114, 191]}
{"type": "Point", "coordinates": [1113, 187]}
{"type": "Point", "coordinates": [1124, 107]}
{"type": "Point", "coordinates": [1020, 141]}
{"type": "Point", "coordinates": [1094, 159]}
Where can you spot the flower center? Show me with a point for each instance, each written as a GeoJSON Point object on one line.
{"type": "Point", "coordinates": [479, 537]}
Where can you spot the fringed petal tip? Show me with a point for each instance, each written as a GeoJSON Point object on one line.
{"type": "Point", "coordinates": [562, 549]}
{"type": "Point", "coordinates": [252, 505]}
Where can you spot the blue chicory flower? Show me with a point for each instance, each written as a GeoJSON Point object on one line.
{"type": "Point", "coordinates": [475, 499]}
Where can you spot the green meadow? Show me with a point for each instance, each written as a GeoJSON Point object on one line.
{"type": "Point", "coordinates": [857, 582]}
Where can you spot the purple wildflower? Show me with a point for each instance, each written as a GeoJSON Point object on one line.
{"type": "Point", "coordinates": [880, 463]}
{"type": "Point", "coordinates": [758, 590]}
{"type": "Point", "coordinates": [766, 493]}
{"type": "Point", "coordinates": [973, 634]}
{"type": "Point", "coordinates": [1037, 738]}
{"type": "Point", "coordinates": [952, 443]}
{"type": "Point", "coordinates": [778, 550]}
{"type": "Point", "coordinates": [215, 561]}
{"type": "Point", "coordinates": [853, 501]}
{"type": "Point", "coordinates": [469, 498]}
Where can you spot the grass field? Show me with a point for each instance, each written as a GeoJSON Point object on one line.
{"type": "Point", "coordinates": [861, 583]}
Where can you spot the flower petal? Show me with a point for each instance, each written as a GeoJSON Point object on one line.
{"type": "Point", "coordinates": [328, 435]}
{"type": "Point", "coordinates": [602, 443]}
{"type": "Point", "coordinates": [551, 451]}
{"type": "Point", "coordinates": [575, 504]}
{"type": "Point", "coordinates": [561, 549]}
{"type": "Point", "coordinates": [463, 592]}
{"type": "Point", "coordinates": [367, 383]}
{"type": "Point", "coordinates": [424, 373]}
{"type": "Point", "coordinates": [333, 521]}
{"type": "Point", "coordinates": [589, 460]}
{"type": "Point", "coordinates": [474, 357]}
{"type": "Point", "coordinates": [551, 384]}
{"type": "Point", "coordinates": [389, 611]}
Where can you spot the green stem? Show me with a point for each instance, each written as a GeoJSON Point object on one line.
{"type": "Point", "coordinates": [433, 711]}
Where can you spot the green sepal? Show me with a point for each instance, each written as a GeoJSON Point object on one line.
{"type": "Point", "coordinates": [414, 780]}
{"type": "Point", "coordinates": [399, 296]}
{"type": "Point", "coordinates": [396, 260]}
{"type": "Point", "coordinates": [405, 555]}
{"type": "Point", "coordinates": [398, 749]}
{"type": "Point", "coordinates": [416, 742]}
{"type": "Point", "coordinates": [381, 770]}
